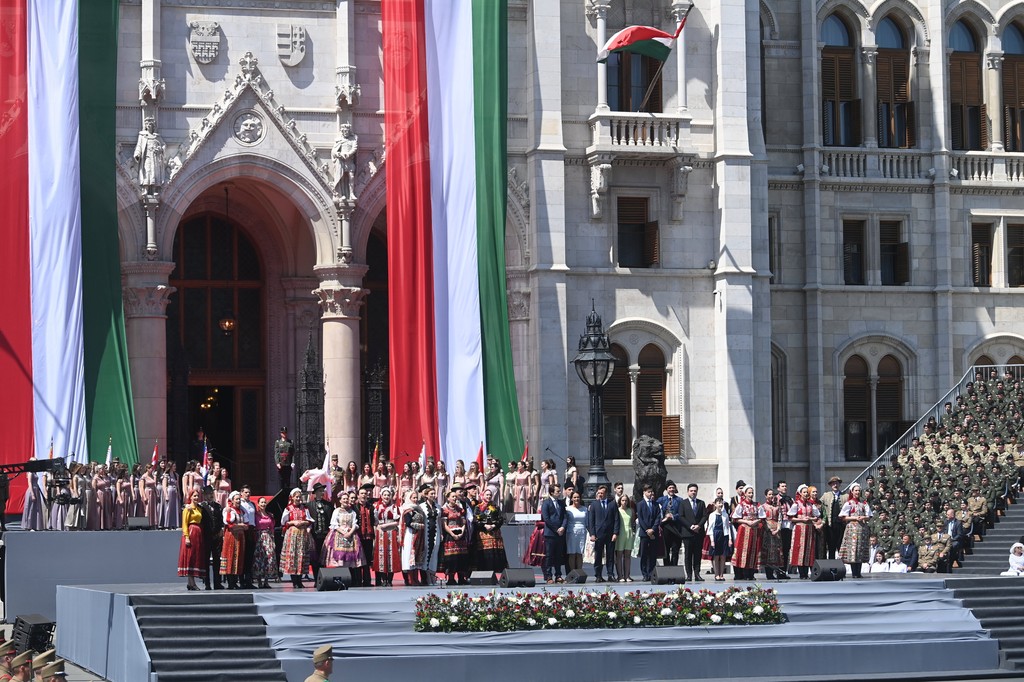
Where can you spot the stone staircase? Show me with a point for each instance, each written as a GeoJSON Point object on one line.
{"type": "Point", "coordinates": [206, 637]}
{"type": "Point", "coordinates": [990, 555]}
{"type": "Point", "coordinates": [997, 603]}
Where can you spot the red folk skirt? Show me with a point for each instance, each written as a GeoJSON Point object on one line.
{"type": "Point", "coordinates": [801, 551]}
{"type": "Point", "coordinates": [190, 556]}
{"type": "Point", "coordinates": [747, 546]}
{"type": "Point", "coordinates": [232, 553]}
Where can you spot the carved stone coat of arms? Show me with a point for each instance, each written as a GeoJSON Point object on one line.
{"type": "Point", "coordinates": [204, 40]}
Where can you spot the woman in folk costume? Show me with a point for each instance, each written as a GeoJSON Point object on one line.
{"type": "Point", "coordinates": [411, 532]}
{"type": "Point", "coordinates": [773, 557]}
{"type": "Point", "coordinates": [295, 546]}
{"type": "Point", "coordinates": [191, 554]}
{"type": "Point", "coordinates": [489, 546]}
{"type": "Point", "coordinates": [803, 514]}
{"type": "Point", "coordinates": [387, 558]}
{"type": "Point", "coordinates": [747, 516]}
{"type": "Point", "coordinates": [264, 567]}
{"type": "Point", "coordinates": [232, 551]}
{"type": "Point", "coordinates": [854, 549]}
{"type": "Point", "coordinates": [455, 544]}
{"type": "Point", "coordinates": [342, 546]}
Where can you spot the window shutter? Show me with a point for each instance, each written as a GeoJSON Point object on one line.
{"type": "Point", "coordinates": [983, 133]}
{"type": "Point", "coordinates": [828, 132]}
{"type": "Point", "coordinates": [855, 400]}
{"type": "Point", "coordinates": [956, 80]}
{"type": "Point", "coordinates": [853, 251]}
{"type": "Point", "coordinates": [652, 73]}
{"type": "Point", "coordinates": [650, 392]}
{"type": "Point", "coordinates": [981, 258]}
{"type": "Point", "coordinates": [971, 78]}
{"type": "Point", "coordinates": [856, 123]}
{"type": "Point", "coordinates": [652, 244]}
{"type": "Point", "coordinates": [889, 232]}
{"type": "Point", "coordinates": [901, 78]}
{"type": "Point", "coordinates": [846, 81]}
{"type": "Point", "coordinates": [828, 76]}
{"type": "Point", "coordinates": [888, 403]}
{"type": "Point", "coordinates": [956, 125]}
{"type": "Point", "coordinates": [1009, 130]}
{"type": "Point", "coordinates": [883, 77]}
{"type": "Point", "coordinates": [902, 263]}
{"type": "Point", "coordinates": [1014, 236]}
{"type": "Point", "coordinates": [632, 210]}
{"type": "Point", "coordinates": [911, 124]}
{"type": "Point", "coordinates": [670, 433]}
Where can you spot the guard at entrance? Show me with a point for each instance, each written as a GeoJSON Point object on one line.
{"type": "Point", "coordinates": [284, 453]}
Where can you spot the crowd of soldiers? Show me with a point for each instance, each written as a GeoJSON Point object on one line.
{"type": "Point", "coordinates": [29, 665]}
{"type": "Point", "coordinates": [954, 480]}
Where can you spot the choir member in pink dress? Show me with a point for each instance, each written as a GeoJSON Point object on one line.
{"type": "Point", "coordinates": [148, 495]}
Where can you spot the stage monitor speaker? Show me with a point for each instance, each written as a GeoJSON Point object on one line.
{"type": "Point", "coordinates": [668, 575]}
{"type": "Point", "coordinates": [333, 579]}
{"type": "Point", "coordinates": [32, 633]}
{"type": "Point", "coordinates": [483, 578]}
{"type": "Point", "coordinates": [518, 577]}
{"type": "Point", "coordinates": [828, 570]}
{"type": "Point", "coordinates": [576, 577]}
{"type": "Point", "coordinates": [138, 523]}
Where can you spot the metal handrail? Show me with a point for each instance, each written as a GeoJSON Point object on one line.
{"type": "Point", "coordinates": [936, 411]}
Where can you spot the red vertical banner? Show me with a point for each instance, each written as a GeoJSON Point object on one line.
{"type": "Point", "coordinates": [16, 398]}
{"type": "Point", "coordinates": [413, 356]}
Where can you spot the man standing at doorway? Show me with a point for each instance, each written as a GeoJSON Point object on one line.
{"type": "Point", "coordinates": [284, 453]}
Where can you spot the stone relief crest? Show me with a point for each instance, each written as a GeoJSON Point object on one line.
{"type": "Point", "coordinates": [204, 40]}
{"type": "Point", "coordinates": [291, 44]}
{"type": "Point", "coordinates": [248, 127]}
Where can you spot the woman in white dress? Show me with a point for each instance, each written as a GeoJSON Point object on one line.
{"type": "Point", "coordinates": [1016, 560]}
{"type": "Point", "coordinates": [576, 532]}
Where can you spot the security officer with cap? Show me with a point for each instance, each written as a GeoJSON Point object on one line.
{"type": "Point", "coordinates": [323, 664]}
{"type": "Point", "coordinates": [284, 454]}
{"type": "Point", "coordinates": [21, 667]}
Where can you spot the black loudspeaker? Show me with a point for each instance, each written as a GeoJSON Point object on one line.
{"type": "Point", "coordinates": [138, 523]}
{"type": "Point", "coordinates": [576, 577]}
{"type": "Point", "coordinates": [668, 575]}
{"type": "Point", "coordinates": [32, 633]}
{"type": "Point", "coordinates": [828, 570]}
{"type": "Point", "coordinates": [333, 579]}
{"type": "Point", "coordinates": [518, 577]}
{"type": "Point", "coordinates": [483, 578]}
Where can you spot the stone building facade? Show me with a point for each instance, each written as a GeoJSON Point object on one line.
{"type": "Point", "coordinates": [796, 248]}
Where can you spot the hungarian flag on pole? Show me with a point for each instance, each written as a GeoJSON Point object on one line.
{"type": "Point", "coordinates": [445, 112]}
{"type": "Point", "coordinates": [63, 354]}
{"type": "Point", "coordinates": [645, 40]}
{"type": "Point", "coordinates": [376, 454]}
{"type": "Point", "coordinates": [526, 453]}
{"type": "Point", "coordinates": [480, 457]}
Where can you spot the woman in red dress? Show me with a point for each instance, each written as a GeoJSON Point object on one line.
{"type": "Point", "coordinates": [295, 546]}
{"type": "Point", "coordinates": [803, 513]}
{"type": "Point", "coordinates": [191, 555]}
{"type": "Point", "coordinates": [387, 557]}
{"type": "Point", "coordinates": [232, 552]}
{"type": "Point", "coordinates": [748, 519]}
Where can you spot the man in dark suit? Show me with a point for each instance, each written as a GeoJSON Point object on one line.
{"type": "Point", "coordinates": [552, 513]}
{"type": "Point", "coordinates": [671, 525]}
{"type": "Point", "coordinates": [603, 525]}
{"type": "Point", "coordinates": [648, 527]}
{"type": "Point", "coordinates": [692, 515]}
{"type": "Point", "coordinates": [908, 553]}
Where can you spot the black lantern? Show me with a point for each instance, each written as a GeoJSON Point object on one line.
{"type": "Point", "coordinates": [594, 364]}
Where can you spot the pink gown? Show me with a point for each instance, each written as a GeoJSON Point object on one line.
{"type": "Point", "coordinates": [521, 493]}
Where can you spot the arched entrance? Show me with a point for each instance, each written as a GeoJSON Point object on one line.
{"type": "Point", "coordinates": [215, 344]}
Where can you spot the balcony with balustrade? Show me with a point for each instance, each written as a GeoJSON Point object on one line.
{"type": "Point", "coordinates": [638, 135]}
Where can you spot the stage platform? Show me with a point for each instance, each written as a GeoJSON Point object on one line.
{"type": "Point", "coordinates": [880, 629]}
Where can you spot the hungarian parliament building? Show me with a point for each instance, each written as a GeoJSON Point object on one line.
{"type": "Point", "coordinates": [800, 230]}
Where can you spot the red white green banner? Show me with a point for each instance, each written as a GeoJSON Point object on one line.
{"type": "Point", "coordinates": [63, 359]}
{"type": "Point", "coordinates": [445, 95]}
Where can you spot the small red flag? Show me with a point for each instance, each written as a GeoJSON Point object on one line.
{"type": "Point", "coordinates": [480, 457]}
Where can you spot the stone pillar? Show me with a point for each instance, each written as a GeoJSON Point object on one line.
{"type": "Point", "coordinates": [634, 418]}
{"type": "Point", "coordinates": [869, 114]}
{"type": "Point", "coordinates": [873, 417]}
{"type": "Point", "coordinates": [151, 84]}
{"type": "Point", "coordinates": [994, 101]}
{"type": "Point", "coordinates": [340, 295]}
{"type": "Point", "coordinates": [679, 10]}
{"type": "Point", "coordinates": [599, 10]}
{"type": "Point", "coordinates": [146, 293]}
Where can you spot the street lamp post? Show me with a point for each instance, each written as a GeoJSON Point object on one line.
{"type": "Point", "coordinates": [594, 364]}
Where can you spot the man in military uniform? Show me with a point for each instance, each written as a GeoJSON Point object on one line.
{"type": "Point", "coordinates": [284, 455]}
{"type": "Point", "coordinates": [21, 667]}
{"type": "Point", "coordinates": [212, 524]}
{"type": "Point", "coordinates": [977, 504]}
{"type": "Point", "coordinates": [831, 505]}
{"type": "Point", "coordinates": [196, 448]}
{"type": "Point", "coordinates": [53, 672]}
{"type": "Point", "coordinates": [7, 653]}
{"type": "Point", "coordinates": [367, 521]}
{"type": "Point", "coordinates": [320, 511]}
{"type": "Point", "coordinates": [41, 661]}
{"type": "Point", "coordinates": [323, 664]}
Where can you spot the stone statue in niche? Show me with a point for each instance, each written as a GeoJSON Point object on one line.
{"type": "Point", "coordinates": [343, 157]}
{"type": "Point", "coordinates": [149, 153]}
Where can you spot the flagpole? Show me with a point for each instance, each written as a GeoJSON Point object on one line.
{"type": "Point", "coordinates": [657, 74]}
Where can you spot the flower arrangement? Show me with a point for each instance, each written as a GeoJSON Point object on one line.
{"type": "Point", "coordinates": [572, 610]}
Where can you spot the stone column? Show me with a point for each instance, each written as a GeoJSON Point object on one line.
{"type": "Point", "coordinates": [994, 101]}
{"type": "Point", "coordinates": [873, 417]}
{"type": "Point", "coordinates": [341, 295]}
{"type": "Point", "coordinates": [869, 95]}
{"type": "Point", "coordinates": [146, 293]}
{"type": "Point", "coordinates": [151, 84]}
{"type": "Point", "coordinates": [599, 10]}
{"type": "Point", "coordinates": [634, 417]}
{"type": "Point", "coordinates": [679, 10]}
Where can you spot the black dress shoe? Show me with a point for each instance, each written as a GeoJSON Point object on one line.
{"type": "Point", "coordinates": [699, 579]}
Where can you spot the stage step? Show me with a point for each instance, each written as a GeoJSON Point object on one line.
{"type": "Point", "coordinates": [235, 646]}
{"type": "Point", "coordinates": [996, 602]}
{"type": "Point", "coordinates": [990, 555]}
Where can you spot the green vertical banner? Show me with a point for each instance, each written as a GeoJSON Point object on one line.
{"type": "Point", "coordinates": [490, 81]}
{"type": "Point", "coordinates": [109, 411]}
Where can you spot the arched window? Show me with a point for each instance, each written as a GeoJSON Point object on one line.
{"type": "Point", "coordinates": [840, 108]}
{"type": "Point", "coordinates": [650, 392]}
{"type": "Point", "coordinates": [856, 408]}
{"type": "Point", "coordinates": [616, 408]}
{"type": "Point", "coordinates": [889, 403]}
{"type": "Point", "coordinates": [967, 116]}
{"type": "Point", "coordinates": [895, 110]}
{"type": "Point", "coordinates": [1013, 87]}
{"type": "Point", "coordinates": [630, 77]}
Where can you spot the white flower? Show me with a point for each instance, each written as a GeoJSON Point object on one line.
{"type": "Point", "coordinates": [552, 621]}
{"type": "Point", "coordinates": [612, 615]}
{"type": "Point", "coordinates": [636, 619]}
{"type": "Point", "coordinates": [758, 610]}
{"type": "Point", "coordinates": [668, 612]}
{"type": "Point", "coordinates": [453, 619]}
{"type": "Point", "coordinates": [690, 616]}
{"type": "Point", "coordinates": [434, 622]}
{"type": "Point", "coordinates": [531, 622]}
{"type": "Point", "coordinates": [731, 601]}
{"type": "Point", "coordinates": [715, 618]}
{"type": "Point", "coordinates": [738, 616]}
{"type": "Point", "coordinates": [490, 616]}
{"type": "Point", "coordinates": [709, 598]}
{"type": "Point", "coordinates": [570, 614]}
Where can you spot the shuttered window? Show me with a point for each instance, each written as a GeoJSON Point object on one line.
{"type": "Point", "coordinates": [856, 408]}
{"type": "Point", "coordinates": [616, 409]}
{"type": "Point", "coordinates": [840, 108]}
{"type": "Point", "coordinates": [894, 253]}
{"type": "Point", "coordinates": [888, 402]}
{"type": "Point", "coordinates": [629, 79]}
{"type": "Point", "coordinates": [650, 392]}
{"type": "Point", "coordinates": [639, 240]}
{"type": "Point", "coordinates": [894, 109]}
{"type": "Point", "coordinates": [1013, 102]}
{"type": "Point", "coordinates": [853, 252]}
{"type": "Point", "coordinates": [967, 115]}
{"type": "Point", "coordinates": [981, 255]}
{"type": "Point", "coordinates": [1015, 255]}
